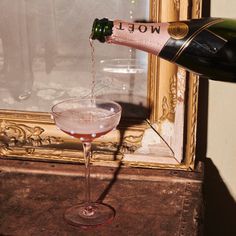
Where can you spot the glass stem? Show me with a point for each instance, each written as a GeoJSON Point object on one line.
{"type": "Point", "coordinates": [87, 147]}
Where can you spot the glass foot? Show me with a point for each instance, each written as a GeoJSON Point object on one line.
{"type": "Point", "coordinates": [84, 216]}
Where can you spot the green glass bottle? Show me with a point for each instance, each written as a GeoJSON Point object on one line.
{"type": "Point", "coordinates": [205, 46]}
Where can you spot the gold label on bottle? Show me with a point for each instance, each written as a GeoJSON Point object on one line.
{"type": "Point", "coordinates": [178, 30]}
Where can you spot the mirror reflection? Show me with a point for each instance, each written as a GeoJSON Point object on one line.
{"type": "Point", "coordinates": [45, 55]}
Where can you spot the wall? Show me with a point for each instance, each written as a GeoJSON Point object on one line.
{"type": "Point", "coordinates": [221, 138]}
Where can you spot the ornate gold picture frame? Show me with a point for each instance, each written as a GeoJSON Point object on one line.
{"type": "Point", "coordinates": [165, 140]}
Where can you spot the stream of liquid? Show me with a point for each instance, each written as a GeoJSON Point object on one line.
{"type": "Point", "coordinates": [93, 70]}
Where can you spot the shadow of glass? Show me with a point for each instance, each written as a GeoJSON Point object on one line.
{"type": "Point", "coordinates": [129, 110]}
{"type": "Point", "coordinates": [220, 207]}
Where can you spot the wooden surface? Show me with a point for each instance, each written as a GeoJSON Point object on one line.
{"type": "Point", "coordinates": [34, 196]}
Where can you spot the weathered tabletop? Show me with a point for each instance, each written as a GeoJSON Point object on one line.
{"type": "Point", "coordinates": [34, 195]}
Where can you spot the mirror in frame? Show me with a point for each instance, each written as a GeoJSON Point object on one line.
{"type": "Point", "coordinates": [45, 57]}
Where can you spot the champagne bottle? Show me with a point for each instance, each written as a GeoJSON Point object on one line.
{"type": "Point", "coordinates": [205, 46]}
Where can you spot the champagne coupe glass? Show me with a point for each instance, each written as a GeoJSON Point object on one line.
{"type": "Point", "coordinates": [87, 119]}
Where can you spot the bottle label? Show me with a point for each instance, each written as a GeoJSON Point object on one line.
{"type": "Point", "coordinates": [149, 37]}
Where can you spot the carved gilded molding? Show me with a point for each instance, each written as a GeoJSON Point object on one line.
{"type": "Point", "coordinates": [197, 11]}
{"type": "Point", "coordinates": [192, 120]}
{"type": "Point", "coordinates": [41, 142]}
{"type": "Point", "coordinates": [177, 4]}
{"type": "Point", "coordinates": [192, 102]}
{"type": "Point", "coordinates": [20, 135]}
{"type": "Point", "coordinates": [169, 103]}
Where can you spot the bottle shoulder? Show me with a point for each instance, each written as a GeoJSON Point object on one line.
{"type": "Point", "coordinates": [225, 29]}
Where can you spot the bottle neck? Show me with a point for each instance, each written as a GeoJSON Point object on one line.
{"type": "Point", "coordinates": [101, 29]}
